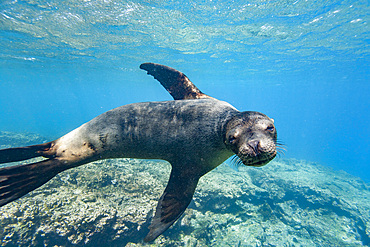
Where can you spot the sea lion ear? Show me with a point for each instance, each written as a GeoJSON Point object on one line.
{"type": "Point", "coordinates": [175, 82]}
{"type": "Point", "coordinates": [272, 120]}
{"type": "Point", "coordinates": [172, 204]}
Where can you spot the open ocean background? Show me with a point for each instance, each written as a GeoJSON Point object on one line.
{"type": "Point", "coordinates": [303, 63]}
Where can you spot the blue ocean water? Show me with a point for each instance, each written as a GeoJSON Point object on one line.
{"type": "Point", "coordinates": [303, 63]}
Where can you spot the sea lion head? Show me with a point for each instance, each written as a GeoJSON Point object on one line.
{"type": "Point", "coordinates": [252, 137]}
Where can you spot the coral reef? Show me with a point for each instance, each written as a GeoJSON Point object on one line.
{"type": "Point", "coordinates": [111, 202]}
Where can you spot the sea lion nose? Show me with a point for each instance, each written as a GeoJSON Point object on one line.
{"type": "Point", "coordinates": [254, 145]}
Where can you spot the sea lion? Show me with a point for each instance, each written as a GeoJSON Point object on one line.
{"type": "Point", "coordinates": [195, 133]}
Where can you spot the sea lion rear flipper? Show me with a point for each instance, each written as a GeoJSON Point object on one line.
{"type": "Point", "coordinates": [175, 82]}
{"type": "Point", "coordinates": [172, 204]}
{"type": "Point", "coordinates": [24, 153]}
{"type": "Point", "coordinates": [16, 181]}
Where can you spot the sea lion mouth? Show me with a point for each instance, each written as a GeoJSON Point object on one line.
{"type": "Point", "coordinates": [255, 161]}
{"type": "Point", "coordinates": [257, 154]}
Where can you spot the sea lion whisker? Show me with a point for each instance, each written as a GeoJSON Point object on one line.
{"type": "Point", "coordinates": [235, 160]}
{"type": "Point", "coordinates": [240, 162]}
{"type": "Point", "coordinates": [280, 154]}
{"type": "Point", "coordinates": [280, 143]}
{"type": "Point", "coordinates": [280, 150]}
{"type": "Point", "coordinates": [280, 146]}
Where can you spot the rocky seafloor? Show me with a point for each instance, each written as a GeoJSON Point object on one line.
{"type": "Point", "coordinates": [110, 203]}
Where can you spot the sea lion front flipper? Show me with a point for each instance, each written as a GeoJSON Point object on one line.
{"type": "Point", "coordinates": [173, 202]}
{"type": "Point", "coordinates": [175, 82]}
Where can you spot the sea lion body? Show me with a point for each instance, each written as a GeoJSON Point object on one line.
{"type": "Point", "coordinates": [195, 133]}
{"type": "Point", "coordinates": [169, 130]}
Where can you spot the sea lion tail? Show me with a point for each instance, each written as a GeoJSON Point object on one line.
{"type": "Point", "coordinates": [16, 181]}
{"type": "Point", "coordinates": [25, 153]}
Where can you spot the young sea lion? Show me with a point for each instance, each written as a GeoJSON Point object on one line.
{"type": "Point", "coordinates": [195, 133]}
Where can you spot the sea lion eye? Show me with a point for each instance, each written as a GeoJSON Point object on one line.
{"type": "Point", "coordinates": [270, 128]}
{"type": "Point", "coordinates": [232, 139]}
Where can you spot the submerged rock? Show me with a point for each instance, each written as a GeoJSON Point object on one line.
{"type": "Point", "coordinates": [10, 139]}
{"type": "Point", "coordinates": [111, 202]}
